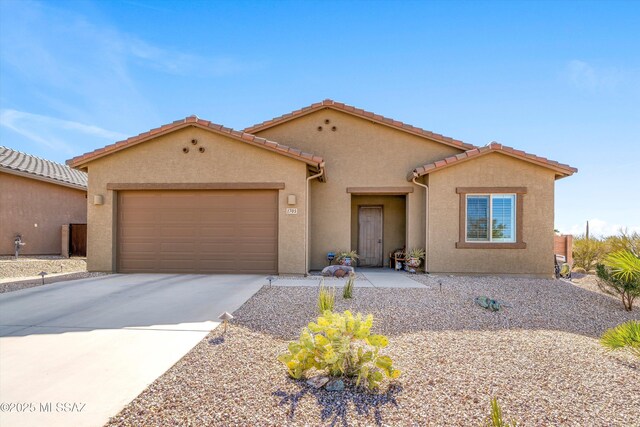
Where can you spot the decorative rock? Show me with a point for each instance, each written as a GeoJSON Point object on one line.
{"type": "Point", "coordinates": [335, 385]}
{"type": "Point", "coordinates": [333, 269]}
{"type": "Point", "coordinates": [318, 381]}
{"type": "Point", "coordinates": [339, 273]}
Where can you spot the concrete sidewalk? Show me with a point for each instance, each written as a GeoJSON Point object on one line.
{"type": "Point", "coordinates": [367, 278]}
{"type": "Point", "coordinates": [75, 353]}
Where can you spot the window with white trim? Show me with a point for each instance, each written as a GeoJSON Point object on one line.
{"type": "Point", "coordinates": [500, 209]}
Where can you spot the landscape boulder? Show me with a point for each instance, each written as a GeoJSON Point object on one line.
{"type": "Point", "coordinates": [332, 270]}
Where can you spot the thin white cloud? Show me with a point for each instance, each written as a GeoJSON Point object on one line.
{"type": "Point", "coordinates": [52, 132]}
{"type": "Point", "coordinates": [83, 69]}
{"type": "Point", "coordinates": [601, 228]}
{"type": "Point", "coordinates": [585, 76]}
{"type": "Point", "coordinates": [184, 63]}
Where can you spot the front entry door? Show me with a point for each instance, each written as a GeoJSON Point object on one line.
{"type": "Point", "coordinates": [370, 236]}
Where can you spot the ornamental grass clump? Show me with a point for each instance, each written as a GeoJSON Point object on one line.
{"type": "Point", "coordinates": [347, 292]}
{"type": "Point", "coordinates": [625, 336]}
{"type": "Point", "coordinates": [341, 345]}
{"type": "Point", "coordinates": [496, 419]}
{"type": "Point", "coordinates": [326, 298]}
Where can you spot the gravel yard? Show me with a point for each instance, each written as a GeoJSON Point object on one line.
{"type": "Point", "coordinates": [27, 266]}
{"type": "Point", "coordinates": [13, 273]}
{"type": "Point", "coordinates": [540, 357]}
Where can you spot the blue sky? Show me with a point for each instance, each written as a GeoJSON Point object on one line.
{"type": "Point", "coordinates": [558, 79]}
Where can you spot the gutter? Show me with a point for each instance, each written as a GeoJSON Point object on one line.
{"type": "Point", "coordinates": [426, 220]}
{"type": "Point", "coordinates": [306, 218]}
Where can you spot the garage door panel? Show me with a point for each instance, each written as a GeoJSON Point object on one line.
{"type": "Point", "coordinates": [219, 232]}
{"type": "Point", "coordinates": [131, 232]}
{"type": "Point", "coordinates": [135, 265]}
{"type": "Point", "coordinates": [139, 247]}
{"type": "Point", "coordinates": [257, 232]}
{"type": "Point", "coordinates": [176, 232]}
{"type": "Point", "coordinates": [222, 231]}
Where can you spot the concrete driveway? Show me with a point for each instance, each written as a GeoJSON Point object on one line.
{"type": "Point", "coordinates": [75, 353]}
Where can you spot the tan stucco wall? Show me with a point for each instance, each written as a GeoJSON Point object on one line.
{"type": "Point", "coordinates": [492, 170]}
{"type": "Point", "coordinates": [393, 217]}
{"type": "Point", "coordinates": [25, 202]}
{"type": "Point", "coordinates": [225, 160]}
{"type": "Point", "coordinates": [359, 153]}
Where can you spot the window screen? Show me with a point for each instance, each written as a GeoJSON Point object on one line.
{"type": "Point", "coordinates": [500, 208]}
{"type": "Point", "coordinates": [477, 214]}
{"type": "Point", "coordinates": [502, 217]}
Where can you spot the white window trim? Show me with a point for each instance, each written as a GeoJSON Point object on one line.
{"type": "Point", "coordinates": [490, 218]}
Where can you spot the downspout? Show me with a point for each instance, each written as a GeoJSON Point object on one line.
{"type": "Point", "coordinates": [306, 219]}
{"type": "Point", "coordinates": [426, 220]}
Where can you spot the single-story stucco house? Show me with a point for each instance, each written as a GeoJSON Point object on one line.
{"type": "Point", "coordinates": [196, 197]}
{"type": "Point", "coordinates": [38, 198]}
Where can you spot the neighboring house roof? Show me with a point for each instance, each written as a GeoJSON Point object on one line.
{"type": "Point", "coordinates": [561, 170]}
{"type": "Point", "coordinates": [328, 103]}
{"type": "Point", "coordinates": [18, 163]}
{"type": "Point", "coordinates": [247, 138]}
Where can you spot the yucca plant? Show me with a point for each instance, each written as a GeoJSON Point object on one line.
{"type": "Point", "coordinates": [496, 416]}
{"type": "Point", "coordinates": [347, 292]}
{"type": "Point", "coordinates": [326, 298]}
{"type": "Point", "coordinates": [625, 336]}
{"type": "Point", "coordinates": [342, 345]}
{"type": "Point", "coordinates": [620, 276]}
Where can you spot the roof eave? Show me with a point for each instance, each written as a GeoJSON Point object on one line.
{"type": "Point", "coordinates": [366, 115]}
{"type": "Point", "coordinates": [43, 178]}
{"type": "Point", "coordinates": [561, 172]}
{"type": "Point", "coordinates": [80, 162]}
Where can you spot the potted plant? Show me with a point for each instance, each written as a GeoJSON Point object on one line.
{"type": "Point", "coordinates": [347, 257]}
{"type": "Point", "coordinates": [415, 257]}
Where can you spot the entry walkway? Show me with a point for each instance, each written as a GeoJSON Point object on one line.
{"type": "Point", "coordinates": [366, 278]}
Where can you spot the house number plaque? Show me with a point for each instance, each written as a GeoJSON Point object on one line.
{"type": "Point", "coordinates": [292, 211]}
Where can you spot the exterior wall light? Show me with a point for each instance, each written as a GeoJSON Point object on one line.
{"type": "Point", "coordinates": [98, 199]}
{"type": "Point", "coordinates": [291, 199]}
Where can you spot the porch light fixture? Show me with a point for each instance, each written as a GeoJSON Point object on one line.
{"type": "Point", "coordinates": [291, 199]}
{"type": "Point", "coordinates": [98, 199]}
{"type": "Point", "coordinates": [225, 317]}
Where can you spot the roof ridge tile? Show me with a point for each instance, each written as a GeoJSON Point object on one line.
{"type": "Point", "coordinates": [362, 113]}
{"type": "Point", "coordinates": [561, 168]}
{"type": "Point", "coordinates": [191, 121]}
{"type": "Point", "coordinates": [18, 161]}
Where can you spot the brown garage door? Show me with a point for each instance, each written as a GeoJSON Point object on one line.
{"type": "Point", "coordinates": [222, 231]}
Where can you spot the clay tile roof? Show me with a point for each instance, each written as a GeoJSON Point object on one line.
{"type": "Point", "coordinates": [562, 170]}
{"type": "Point", "coordinates": [13, 161]}
{"type": "Point", "coordinates": [244, 137]}
{"type": "Point", "coordinates": [328, 103]}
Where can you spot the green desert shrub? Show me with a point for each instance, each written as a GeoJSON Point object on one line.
{"type": "Point", "coordinates": [496, 419]}
{"type": "Point", "coordinates": [623, 337]}
{"type": "Point", "coordinates": [347, 292]}
{"type": "Point", "coordinates": [624, 241]}
{"type": "Point", "coordinates": [341, 345]}
{"type": "Point", "coordinates": [326, 298]}
{"type": "Point", "coordinates": [587, 252]}
{"type": "Point", "coordinates": [620, 276]}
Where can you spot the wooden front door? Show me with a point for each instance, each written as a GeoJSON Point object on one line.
{"type": "Point", "coordinates": [370, 236]}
